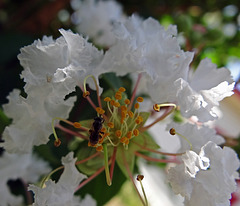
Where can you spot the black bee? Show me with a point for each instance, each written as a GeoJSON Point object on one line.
{"type": "Point", "coordinates": [95, 132]}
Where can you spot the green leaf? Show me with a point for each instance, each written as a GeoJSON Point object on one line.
{"type": "Point", "coordinates": [92, 165]}
{"type": "Point", "coordinates": [110, 80]}
{"type": "Point", "coordinates": [125, 156]}
{"type": "Point", "coordinates": [144, 140]}
{"type": "Point", "coordinates": [4, 121]}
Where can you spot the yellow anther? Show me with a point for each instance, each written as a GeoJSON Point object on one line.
{"type": "Point", "coordinates": [99, 148]}
{"type": "Point", "coordinates": [106, 134]}
{"type": "Point", "coordinates": [127, 101]}
{"type": "Point", "coordinates": [156, 107]}
{"type": "Point", "coordinates": [123, 139]}
{"type": "Point", "coordinates": [112, 102]}
{"type": "Point", "coordinates": [86, 94]}
{"type": "Point", "coordinates": [129, 135]}
{"type": "Point", "coordinates": [110, 124]}
{"type": "Point", "coordinates": [139, 120]}
{"type": "Point", "coordinates": [123, 108]}
{"type": "Point", "coordinates": [100, 110]}
{"type": "Point", "coordinates": [121, 89]}
{"type": "Point", "coordinates": [136, 106]}
{"type": "Point", "coordinates": [91, 145]}
{"type": "Point", "coordinates": [103, 130]}
{"type": "Point", "coordinates": [135, 132]}
{"type": "Point", "coordinates": [57, 143]}
{"type": "Point", "coordinates": [130, 114]}
{"type": "Point", "coordinates": [118, 133]}
{"type": "Point", "coordinates": [76, 124]}
{"type": "Point", "coordinates": [126, 142]}
{"type": "Point", "coordinates": [116, 104]}
{"type": "Point", "coordinates": [107, 99]}
{"type": "Point", "coordinates": [140, 99]}
{"type": "Point", "coordinates": [172, 131]}
{"type": "Point", "coordinates": [118, 95]}
{"type": "Point", "coordinates": [101, 140]}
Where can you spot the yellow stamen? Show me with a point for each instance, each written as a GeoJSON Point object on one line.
{"type": "Point", "coordinates": [118, 95]}
{"type": "Point", "coordinates": [140, 178]}
{"type": "Point", "coordinates": [100, 110]}
{"type": "Point", "coordinates": [139, 120]}
{"type": "Point", "coordinates": [123, 108]}
{"type": "Point", "coordinates": [99, 148]}
{"type": "Point", "coordinates": [77, 125]}
{"type": "Point", "coordinates": [136, 106]}
{"type": "Point", "coordinates": [126, 141]}
{"type": "Point", "coordinates": [157, 107]}
{"type": "Point", "coordinates": [140, 99]}
{"type": "Point", "coordinates": [172, 131]}
{"type": "Point", "coordinates": [112, 102]}
{"type": "Point", "coordinates": [130, 113]}
{"type": "Point", "coordinates": [86, 94]}
{"type": "Point", "coordinates": [129, 135]}
{"type": "Point", "coordinates": [127, 101]}
{"type": "Point", "coordinates": [123, 139]}
{"type": "Point", "coordinates": [135, 132]}
{"type": "Point", "coordinates": [121, 89]}
{"type": "Point", "coordinates": [57, 142]}
{"type": "Point", "coordinates": [107, 99]}
{"type": "Point", "coordinates": [103, 130]}
{"type": "Point", "coordinates": [110, 124]}
{"type": "Point", "coordinates": [118, 133]}
{"type": "Point", "coordinates": [116, 104]}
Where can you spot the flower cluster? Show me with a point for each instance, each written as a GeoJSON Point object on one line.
{"type": "Point", "coordinates": [54, 69]}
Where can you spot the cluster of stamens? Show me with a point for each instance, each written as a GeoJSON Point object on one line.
{"type": "Point", "coordinates": [121, 124]}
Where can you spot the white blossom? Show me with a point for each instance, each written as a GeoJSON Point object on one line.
{"type": "Point", "coordinates": [198, 136]}
{"type": "Point", "coordinates": [63, 63]}
{"type": "Point", "coordinates": [7, 198]}
{"type": "Point", "coordinates": [95, 19]}
{"type": "Point", "coordinates": [32, 117]}
{"type": "Point", "coordinates": [207, 178]}
{"type": "Point", "coordinates": [62, 192]}
{"type": "Point", "coordinates": [26, 167]}
{"type": "Point", "coordinates": [146, 47]}
{"type": "Point", "coordinates": [202, 92]}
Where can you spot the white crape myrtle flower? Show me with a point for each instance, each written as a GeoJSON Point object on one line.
{"type": "Point", "coordinates": [26, 167]}
{"type": "Point", "coordinates": [7, 198]}
{"type": "Point", "coordinates": [63, 63]}
{"type": "Point", "coordinates": [95, 19]}
{"type": "Point", "coordinates": [198, 136]}
{"type": "Point", "coordinates": [62, 192]}
{"type": "Point", "coordinates": [32, 117]}
{"type": "Point", "coordinates": [207, 178]}
{"type": "Point", "coordinates": [52, 70]}
{"type": "Point", "coordinates": [201, 93]}
{"type": "Point", "coordinates": [144, 46]}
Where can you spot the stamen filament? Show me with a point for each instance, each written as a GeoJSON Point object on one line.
{"type": "Point", "coordinates": [88, 158]}
{"type": "Point", "coordinates": [165, 114]}
{"type": "Point", "coordinates": [139, 178]}
{"type": "Point", "coordinates": [96, 85]}
{"type": "Point", "coordinates": [155, 159]}
{"type": "Point", "coordinates": [134, 91]}
{"type": "Point", "coordinates": [190, 144]}
{"type": "Point", "coordinates": [108, 178]}
{"type": "Point", "coordinates": [158, 152]}
{"type": "Point", "coordinates": [131, 177]}
{"type": "Point", "coordinates": [71, 132]}
{"type": "Point", "coordinates": [91, 177]}
{"type": "Point", "coordinates": [46, 178]}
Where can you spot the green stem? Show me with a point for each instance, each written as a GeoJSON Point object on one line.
{"type": "Point", "coordinates": [108, 178]}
